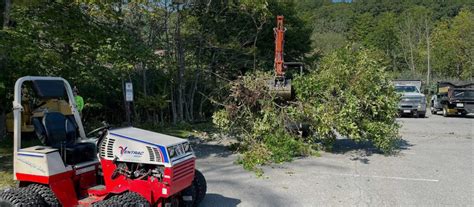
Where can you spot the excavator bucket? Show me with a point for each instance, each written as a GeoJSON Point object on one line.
{"type": "Point", "coordinates": [280, 87]}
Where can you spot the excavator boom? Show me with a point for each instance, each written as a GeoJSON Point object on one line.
{"type": "Point", "coordinates": [280, 84]}
{"type": "Point", "coordinates": [279, 46]}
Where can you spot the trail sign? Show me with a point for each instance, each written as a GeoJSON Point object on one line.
{"type": "Point", "coordinates": [129, 92]}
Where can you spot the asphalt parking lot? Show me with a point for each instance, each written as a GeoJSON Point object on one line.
{"type": "Point", "coordinates": [433, 168]}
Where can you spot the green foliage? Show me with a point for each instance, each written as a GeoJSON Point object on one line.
{"type": "Point", "coordinates": [453, 46]}
{"type": "Point", "coordinates": [350, 94]}
{"type": "Point", "coordinates": [402, 30]}
{"type": "Point", "coordinates": [252, 115]}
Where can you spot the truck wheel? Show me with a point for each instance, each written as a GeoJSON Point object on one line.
{"type": "Point", "coordinates": [445, 111]}
{"type": "Point", "coordinates": [422, 115]}
{"type": "Point", "coordinates": [20, 197]}
{"type": "Point", "coordinates": [129, 199]}
{"type": "Point", "coordinates": [200, 185]}
{"type": "Point", "coordinates": [46, 193]}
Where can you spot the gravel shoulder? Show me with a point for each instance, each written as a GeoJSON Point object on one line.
{"type": "Point", "coordinates": [433, 168]}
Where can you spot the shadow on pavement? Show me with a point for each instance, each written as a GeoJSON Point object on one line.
{"type": "Point", "coordinates": [404, 145]}
{"type": "Point", "coordinates": [205, 150]}
{"type": "Point", "coordinates": [360, 151]}
{"type": "Point", "coordinates": [212, 199]}
{"type": "Point", "coordinates": [470, 116]}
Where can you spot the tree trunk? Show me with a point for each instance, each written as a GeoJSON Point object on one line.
{"type": "Point", "coordinates": [6, 12]}
{"type": "Point", "coordinates": [458, 70]}
{"type": "Point", "coordinates": [2, 124]}
{"type": "Point", "coordinates": [173, 106]}
{"type": "Point", "coordinates": [412, 59]}
{"type": "Point", "coordinates": [181, 68]}
{"type": "Point", "coordinates": [186, 109]}
{"type": "Point", "coordinates": [162, 120]}
{"type": "Point", "coordinates": [428, 57]}
{"type": "Point", "coordinates": [394, 60]}
{"type": "Point", "coordinates": [197, 74]}
{"type": "Point", "coordinates": [192, 93]}
{"type": "Point", "coordinates": [144, 68]}
{"type": "Point", "coordinates": [200, 113]}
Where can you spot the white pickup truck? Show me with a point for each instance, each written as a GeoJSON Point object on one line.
{"type": "Point", "coordinates": [412, 101]}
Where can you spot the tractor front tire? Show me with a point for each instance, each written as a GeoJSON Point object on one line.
{"type": "Point", "coordinates": [200, 186]}
{"type": "Point", "coordinates": [128, 199]}
{"type": "Point", "coordinates": [20, 197]}
{"type": "Point", "coordinates": [46, 193]}
{"type": "Point", "coordinates": [188, 197]}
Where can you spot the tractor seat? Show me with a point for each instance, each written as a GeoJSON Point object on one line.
{"type": "Point", "coordinates": [57, 131]}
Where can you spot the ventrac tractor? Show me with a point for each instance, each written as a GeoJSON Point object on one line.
{"type": "Point", "coordinates": [116, 167]}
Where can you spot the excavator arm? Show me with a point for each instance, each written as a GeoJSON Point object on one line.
{"type": "Point", "coordinates": [279, 31]}
{"type": "Point", "coordinates": [280, 84]}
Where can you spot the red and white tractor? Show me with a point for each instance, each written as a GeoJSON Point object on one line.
{"type": "Point", "coordinates": [118, 167]}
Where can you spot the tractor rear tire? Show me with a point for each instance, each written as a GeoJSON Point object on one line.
{"type": "Point", "coordinates": [20, 197]}
{"type": "Point", "coordinates": [200, 185]}
{"type": "Point", "coordinates": [46, 193]}
{"type": "Point", "coordinates": [128, 199]}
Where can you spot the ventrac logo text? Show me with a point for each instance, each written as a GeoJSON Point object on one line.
{"type": "Point", "coordinates": [125, 151]}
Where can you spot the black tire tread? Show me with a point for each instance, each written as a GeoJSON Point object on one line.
{"type": "Point", "coordinates": [20, 197]}
{"type": "Point", "coordinates": [46, 193]}
{"type": "Point", "coordinates": [200, 185]}
{"type": "Point", "coordinates": [127, 199]}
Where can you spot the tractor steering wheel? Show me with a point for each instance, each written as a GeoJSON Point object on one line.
{"type": "Point", "coordinates": [100, 129]}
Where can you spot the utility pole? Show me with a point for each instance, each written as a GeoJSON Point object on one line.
{"type": "Point", "coordinates": [181, 62]}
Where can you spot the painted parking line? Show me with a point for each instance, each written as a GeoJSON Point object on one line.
{"type": "Point", "coordinates": [381, 177]}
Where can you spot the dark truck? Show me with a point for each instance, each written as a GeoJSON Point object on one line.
{"type": "Point", "coordinates": [453, 99]}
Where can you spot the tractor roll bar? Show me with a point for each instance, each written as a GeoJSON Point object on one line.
{"type": "Point", "coordinates": [18, 108]}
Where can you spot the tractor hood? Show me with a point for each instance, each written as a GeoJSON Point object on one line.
{"type": "Point", "coordinates": [142, 146]}
{"type": "Point", "coordinates": [146, 136]}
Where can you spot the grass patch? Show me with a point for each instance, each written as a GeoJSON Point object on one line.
{"type": "Point", "coordinates": [6, 156]}
{"type": "Point", "coordinates": [6, 171]}
{"type": "Point", "coordinates": [6, 180]}
{"type": "Point", "coordinates": [6, 146]}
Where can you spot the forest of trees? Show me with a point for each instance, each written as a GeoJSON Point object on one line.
{"type": "Point", "coordinates": [180, 55]}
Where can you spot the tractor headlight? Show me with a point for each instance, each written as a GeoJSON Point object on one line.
{"type": "Point", "coordinates": [171, 151]}
{"type": "Point", "coordinates": [186, 147]}
{"type": "Point", "coordinates": [459, 105]}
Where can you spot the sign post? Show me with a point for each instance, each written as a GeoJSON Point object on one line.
{"type": "Point", "coordinates": [128, 93]}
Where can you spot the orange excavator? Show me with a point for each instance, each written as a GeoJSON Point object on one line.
{"type": "Point", "coordinates": [281, 84]}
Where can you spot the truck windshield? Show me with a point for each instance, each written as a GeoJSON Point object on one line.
{"type": "Point", "coordinates": [406, 89]}
{"type": "Point", "coordinates": [464, 94]}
